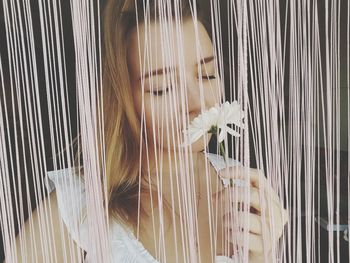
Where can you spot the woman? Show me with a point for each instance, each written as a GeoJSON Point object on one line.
{"type": "Point", "coordinates": [153, 87]}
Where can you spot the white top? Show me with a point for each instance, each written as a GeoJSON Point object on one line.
{"type": "Point", "coordinates": [124, 247]}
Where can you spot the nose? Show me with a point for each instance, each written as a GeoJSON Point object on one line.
{"type": "Point", "coordinates": [200, 96]}
{"type": "Point", "coordinates": [194, 97]}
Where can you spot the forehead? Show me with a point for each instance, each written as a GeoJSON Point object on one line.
{"type": "Point", "coordinates": [157, 45]}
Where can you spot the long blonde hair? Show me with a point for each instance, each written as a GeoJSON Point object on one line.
{"type": "Point", "coordinates": [122, 126]}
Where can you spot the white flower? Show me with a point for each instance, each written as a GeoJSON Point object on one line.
{"type": "Point", "coordinates": [202, 124]}
{"type": "Point", "coordinates": [216, 119]}
{"type": "Point", "coordinates": [229, 114]}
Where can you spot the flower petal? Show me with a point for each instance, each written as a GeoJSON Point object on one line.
{"type": "Point", "coordinates": [222, 135]}
{"type": "Point", "coordinates": [233, 132]}
{"type": "Point", "coordinates": [217, 116]}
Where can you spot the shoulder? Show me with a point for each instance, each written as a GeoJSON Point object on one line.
{"type": "Point", "coordinates": [72, 204]}
{"type": "Point", "coordinates": [57, 236]}
{"type": "Point", "coordinates": [69, 188]}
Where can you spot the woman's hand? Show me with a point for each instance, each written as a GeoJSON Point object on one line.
{"type": "Point", "coordinates": [252, 213]}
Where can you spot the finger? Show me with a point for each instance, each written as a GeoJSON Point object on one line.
{"type": "Point", "coordinates": [277, 220]}
{"type": "Point", "coordinates": [256, 177]}
{"type": "Point", "coordinates": [285, 216]}
{"type": "Point", "coordinates": [255, 242]}
{"type": "Point", "coordinates": [258, 197]}
{"type": "Point", "coordinates": [250, 198]}
{"type": "Point", "coordinates": [272, 194]}
{"type": "Point", "coordinates": [243, 220]}
{"type": "Point", "coordinates": [236, 195]}
{"type": "Point", "coordinates": [253, 199]}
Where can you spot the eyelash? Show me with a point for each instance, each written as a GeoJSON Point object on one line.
{"type": "Point", "coordinates": [160, 92]}
{"type": "Point", "coordinates": [210, 77]}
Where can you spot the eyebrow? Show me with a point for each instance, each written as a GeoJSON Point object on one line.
{"type": "Point", "coordinates": [206, 60]}
{"type": "Point", "coordinates": [161, 70]}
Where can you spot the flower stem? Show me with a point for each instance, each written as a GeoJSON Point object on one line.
{"type": "Point", "coordinates": [222, 151]}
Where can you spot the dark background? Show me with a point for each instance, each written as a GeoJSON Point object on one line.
{"type": "Point", "coordinates": [6, 101]}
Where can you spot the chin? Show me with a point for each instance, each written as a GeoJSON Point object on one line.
{"type": "Point", "coordinates": [200, 144]}
{"type": "Point", "coordinates": [197, 146]}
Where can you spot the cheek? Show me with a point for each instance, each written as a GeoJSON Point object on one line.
{"type": "Point", "coordinates": [163, 119]}
{"type": "Point", "coordinates": [137, 97]}
{"type": "Point", "coordinates": [213, 93]}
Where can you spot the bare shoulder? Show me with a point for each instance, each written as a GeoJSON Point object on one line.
{"type": "Point", "coordinates": [44, 237]}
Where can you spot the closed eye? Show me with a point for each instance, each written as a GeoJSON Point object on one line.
{"type": "Point", "coordinates": [208, 77]}
{"type": "Point", "coordinates": [161, 91]}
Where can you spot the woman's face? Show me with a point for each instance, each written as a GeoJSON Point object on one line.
{"type": "Point", "coordinates": [172, 78]}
